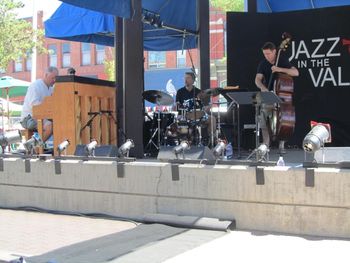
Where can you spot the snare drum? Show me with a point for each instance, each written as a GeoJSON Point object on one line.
{"type": "Point", "coordinates": [195, 115]}
{"type": "Point", "coordinates": [178, 129]}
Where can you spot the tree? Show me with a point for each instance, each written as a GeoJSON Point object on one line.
{"type": "Point", "coordinates": [110, 69]}
{"type": "Point", "coordinates": [16, 35]}
{"type": "Point", "coordinates": [228, 5]}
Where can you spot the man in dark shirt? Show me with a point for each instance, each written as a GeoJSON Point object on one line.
{"type": "Point", "coordinates": [266, 68]}
{"type": "Point", "coordinates": [188, 91]}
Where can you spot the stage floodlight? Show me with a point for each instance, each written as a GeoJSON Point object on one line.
{"type": "Point", "coordinates": [63, 146]}
{"type": "Point", "coordinates": [181, 148]}
{"type": "Point", "coordinates": [33, 142]}
{"type": "Point", "coordinates": [316, 138]}
{"type": "Point", "coordinates": [9, 137]}
{"type": "Point", "coordinates": [219, 149]}
{"type": "Point", "coordinates": [125, 148]}
{"type": "Point", "coordinates": [262, 152]}
{"type": "Point", "coordinates": [90, 148]}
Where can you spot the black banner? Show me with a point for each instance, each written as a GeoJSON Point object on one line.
{"type": "Point", "coordinates": [320, 50]}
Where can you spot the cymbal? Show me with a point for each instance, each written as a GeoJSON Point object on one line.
{"type": "Point", "coordinates": [211, 92]}
{"type": "Point", "coordinates": [158, 97]}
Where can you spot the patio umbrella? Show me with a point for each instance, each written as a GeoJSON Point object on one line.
{"type": "Point", "coordinates": [7, 83]}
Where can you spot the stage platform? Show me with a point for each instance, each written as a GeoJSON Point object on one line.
{"type": "Point", "coordinates": [290, 199]}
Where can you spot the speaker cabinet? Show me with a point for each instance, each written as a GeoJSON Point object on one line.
{"type": "Point", "coordinates": [194, 153]}
{"type": "Point", "coordinates": [101, 151]}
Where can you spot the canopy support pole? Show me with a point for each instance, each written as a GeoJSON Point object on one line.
{"type": "Point", "coordinates": [203, 43]}
{"type": "Point", "coordinates": [130, 80]}
{"type": "Point", "coordinates": [118, 44]}
{"type": "Point", "coordinates": [252, 6]}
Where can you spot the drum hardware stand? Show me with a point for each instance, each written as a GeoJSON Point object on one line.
{"type": "Point", "coordinates": [159, 98]}
{"type": "Point", "coordinates": [195, 117]}
{"type": "Point", "coordinates": [212, 126]}
{"type": "Point", "coordinates": [150, 142]}
{"type": "Point", "coordinates": [199, 130]}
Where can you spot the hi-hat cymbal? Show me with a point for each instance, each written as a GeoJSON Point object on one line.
{"type": "Point", "coordinates": [212, 92]}
{"type": "Point", "coordinates": [158, 97]}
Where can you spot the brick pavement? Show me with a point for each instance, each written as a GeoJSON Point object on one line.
{"type": "Point", "coordinates": [32, 233]}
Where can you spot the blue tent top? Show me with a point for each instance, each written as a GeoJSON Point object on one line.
{"type": "Point", "coordinates": [121, 8]}
{"type": "Point", "coordinates": [268, 6]}
{"type": "Point", "coordinates": [82, 25]}
{"type": "Point", "coordinates": [79, 24]}
{"type": "Point", "coordinates": [176, 14]}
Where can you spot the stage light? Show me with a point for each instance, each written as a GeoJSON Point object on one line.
{"type": "Point", "coordinates": [62, 146]}
{"type": "Point", "coordinates": [152, 18]}
{"type": "Point", "coordinates": [316, 138]}
{"type": "Point", "coordinates": [219, 149]}
{"type": "Point", "coordinates": [90, 148]}
{"type": "Point", "coordinates": [262, 152]}
{"type": "Point", "coordinates": [125, 148]}
{"type": "Point", "coordinates": [33, 142]}
{"type": "Point", "coordinates": [184, 145]}
{"type": "Point", "coordinates": [10, 137]}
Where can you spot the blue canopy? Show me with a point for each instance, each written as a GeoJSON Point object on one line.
{"type": "Point", "coordinates": [121, 8]}
{"type": "Point", "coordinates": [268, 6]}
{"type": "Point", "coordinates": [175, 30]}
{"type": "Point", "coordinates": [82, 25]}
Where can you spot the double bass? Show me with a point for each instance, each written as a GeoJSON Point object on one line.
{"type": "Point", "coordinates": [283, 117]}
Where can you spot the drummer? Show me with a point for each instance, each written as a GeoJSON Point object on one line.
{"type": "Point", "coordinates": [189, 91]}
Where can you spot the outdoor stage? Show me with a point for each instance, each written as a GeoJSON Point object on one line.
{"type": "Point", "coordinates": [290, 199]}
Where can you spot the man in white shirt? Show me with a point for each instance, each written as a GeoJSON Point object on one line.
{"type": "Point", "coordinates": [36, 93]}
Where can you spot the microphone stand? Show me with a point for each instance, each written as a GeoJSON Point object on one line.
{"type": "Point", "coordinates": [89, 122]}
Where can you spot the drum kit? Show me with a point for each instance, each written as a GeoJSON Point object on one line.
{"type": "Point", "coordinates": [170, 128]}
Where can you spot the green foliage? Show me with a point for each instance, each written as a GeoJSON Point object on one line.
{"type": "Point", "coordinates": [228, 5]}
{"type": "Point", "coordinates": [110, 69]}
{"type": "Point", "coordinates": [16, 35]}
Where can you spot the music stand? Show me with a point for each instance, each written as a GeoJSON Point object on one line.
{"type": "Point", "coordinates": [255, 98]}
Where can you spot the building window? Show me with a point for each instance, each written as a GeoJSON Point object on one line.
{"type": "Point", "coordinates": [156, 59]}
{"type": "Point", "coordinates": [29, 62]}
{"type": "Point", "coordinates": [85, 54]}
{"type": "Point", "coordinates": [65, 55]}
{"type": "Point", "coordinates": [52, 55]}
{"type": "Point", "coordinates": [100, 54]}
{"type": "Point", "coordinates": [181, 58]}
{"type": "Point", "coordinates": [18, 65]}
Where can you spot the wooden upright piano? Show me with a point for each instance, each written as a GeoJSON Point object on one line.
{"type": "Point", "coordinates": [74, 102]}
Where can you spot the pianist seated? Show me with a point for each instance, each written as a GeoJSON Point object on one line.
{"type": "Point", "coordinates": [36, 93]}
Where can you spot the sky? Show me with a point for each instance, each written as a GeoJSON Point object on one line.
{"type": "Point", "coordinates": [48, 6]}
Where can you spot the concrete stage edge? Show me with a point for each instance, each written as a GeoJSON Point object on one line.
{"type": "Point", "coordinates": [282, 202]}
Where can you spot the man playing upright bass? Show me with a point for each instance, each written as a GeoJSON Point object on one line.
{"type": "Point", "coordinates": [265, 79]}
